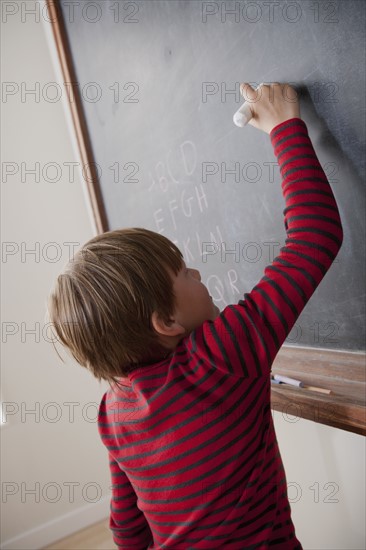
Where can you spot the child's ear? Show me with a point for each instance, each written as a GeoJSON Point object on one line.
{"type": "Point", "coordinates": [166, 328]}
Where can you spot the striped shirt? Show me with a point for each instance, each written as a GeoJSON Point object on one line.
{"type": "Point", "coordinates": [193, 454]}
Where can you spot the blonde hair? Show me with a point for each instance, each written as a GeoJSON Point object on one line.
{"type": "Point", "coordinates": [101, 306]}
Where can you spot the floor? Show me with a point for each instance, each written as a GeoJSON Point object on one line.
{"type": "Point", "coordinates": [96, 537]}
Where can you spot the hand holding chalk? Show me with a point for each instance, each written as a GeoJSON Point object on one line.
{"type": "Point", "coordinates": [275, 103]}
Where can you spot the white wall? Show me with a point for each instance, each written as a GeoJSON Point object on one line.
{"type": "Point", "coordinates": [36, 450]}
{"type": "Point", "coordinates": [325, 470]}
{"type": "Point", "coordinates": [54, 455]}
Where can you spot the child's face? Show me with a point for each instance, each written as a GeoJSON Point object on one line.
{"type": "Point", "coordinates": [194, 305]}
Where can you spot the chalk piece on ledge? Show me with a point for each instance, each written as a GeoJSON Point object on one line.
{"type": "Point", "coordinates": [315, 388]}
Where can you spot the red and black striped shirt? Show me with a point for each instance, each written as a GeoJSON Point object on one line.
{"type": "Point", "coordinates": [193, 453]}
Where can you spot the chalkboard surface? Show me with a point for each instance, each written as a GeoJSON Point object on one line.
{"type": "Point", "coordinates": [160, 84]}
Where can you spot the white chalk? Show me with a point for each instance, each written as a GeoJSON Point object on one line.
{"type": "Point", "coordinates": [288, 380]}
{"type": "Point", "coordinates": [244, 114]}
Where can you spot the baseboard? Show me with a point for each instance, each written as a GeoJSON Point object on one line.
{"type": "Point", "coordinates": [61, 527]}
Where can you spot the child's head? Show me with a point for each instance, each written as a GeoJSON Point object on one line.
{"type": "Point", "coordinates": [123, 299]}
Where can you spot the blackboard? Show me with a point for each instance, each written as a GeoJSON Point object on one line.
{"type": "Point", "coordinates": [159, 82]}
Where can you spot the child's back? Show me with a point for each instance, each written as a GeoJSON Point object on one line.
{"type": "Point", "coordinates": [192, 448]}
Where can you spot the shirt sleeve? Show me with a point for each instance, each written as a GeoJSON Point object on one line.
{"type": "Point", "coordinates": [246, 337]}
{"type": "Point", "coordinates": [128, 524]}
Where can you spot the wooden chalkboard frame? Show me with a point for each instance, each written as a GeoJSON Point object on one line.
{"type": "Point", "coordinates": [342, 372]}
{"type": "Point", "coordinates": [78, 115]}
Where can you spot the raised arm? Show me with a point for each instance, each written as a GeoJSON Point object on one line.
{"type": "Point", "coordinates": [252, 332]}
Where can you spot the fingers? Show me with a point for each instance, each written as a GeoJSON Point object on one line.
{"type": "Point", "coordinates": [247, 91]}
{"type": "Point", "coordinates": [290, 92]}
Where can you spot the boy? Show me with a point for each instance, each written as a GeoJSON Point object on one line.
{"type": "Point", "coordinates": [187, 422]}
